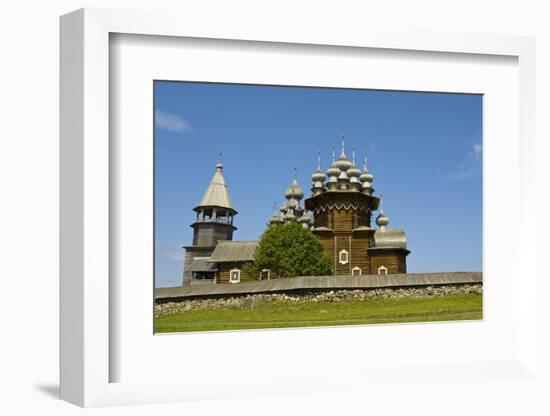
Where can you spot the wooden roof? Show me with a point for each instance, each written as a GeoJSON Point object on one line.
{"type": "Point", "coordinates": [321, 283]}
{"type": "Point", "coordinates": [233, 251]}
{"type": "Point", "coordinates": [202, 265]}
{"type": "Point", "coordinates": [216, 195]}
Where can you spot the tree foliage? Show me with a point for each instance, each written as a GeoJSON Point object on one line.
{"type": "Point", "coordinates": [291, 250]}
{"type": "Point", "coordinates": [250, 272]}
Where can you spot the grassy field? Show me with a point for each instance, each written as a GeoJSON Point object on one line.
{"type": "Point", "coordinates": [282, 314]}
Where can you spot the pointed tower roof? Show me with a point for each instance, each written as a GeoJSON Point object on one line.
{"type": "Point", "coordinates": [217, 194]}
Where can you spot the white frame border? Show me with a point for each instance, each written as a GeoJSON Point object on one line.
{"type": "Point", "coordinates": [84, 129]}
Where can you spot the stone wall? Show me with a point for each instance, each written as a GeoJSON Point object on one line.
{"type": "Point", "coordinates": [249, 301]}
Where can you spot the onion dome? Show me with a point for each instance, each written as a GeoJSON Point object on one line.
{"type": "Point", "coordinates": [303, 218]}
{"type": "Point", "coordinates": [333, 171]}
{"type": "Point", "coordinates": [275, 219]}
{"type": "Point", "coordinates": [366, 176]}
{"type": "Point", "coordinates": [305, 221]}
{"type": "Point", "coordinates": [353, 172]}
{"type": "Point", "coordinates": [382, 220]}
{"type": "Point", "coordinates": [284, 207]}
{"type": "Point", "coordinates": [292, 203]}
{"type": "Point", "coordinates": [318, 178]}
{"type": "Point", "coordinates": [343, 163]}
{"type": "Point", "coordinates": [294, 190]}
{"type": "Point", "coordinates": [318, 175]}
{"type": "Point", "coordinates": [289, 216]}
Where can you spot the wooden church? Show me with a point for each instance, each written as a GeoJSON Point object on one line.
{"type": "Point", "coordinates": [342, 205]}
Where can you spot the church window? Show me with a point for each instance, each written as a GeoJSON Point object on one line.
{"type": "Point", "coordinates": [382, 270]}
{"type": "Point", "coordinates": [234, 275]}
{"type": "Point", "coordinates": [356, 271]}
{"type": "Point", "coordinates": [343, 257]}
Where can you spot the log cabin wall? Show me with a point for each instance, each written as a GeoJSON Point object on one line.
{"type": "Point", "coordinates": [321, 219]}
{"type": "Point", "coordinates": [224, 270]}
{"type": "Point", "coordinates": [393, 260]}
{"type": "Point", "coordinates": [342, 220]}
{"type": "Point", "coordinates": [206, 234]}
{"type": "Point", "coordinates": [342, 238]}
{"type": "Point", "coordinates": [359, 257]}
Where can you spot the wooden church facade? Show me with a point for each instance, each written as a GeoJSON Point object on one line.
{"type": "Point", "coordinates": [342, 205]}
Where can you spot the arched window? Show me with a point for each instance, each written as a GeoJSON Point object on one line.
{"type": "Point", "coordinates": [344, 258]}
{"type": "Point", "coordinates": [356, 271]}
{"type": "Point", "coordinates": [382, 270]}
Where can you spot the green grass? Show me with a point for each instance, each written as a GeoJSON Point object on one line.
{"type": "Point", "coordinates": [281, 314]}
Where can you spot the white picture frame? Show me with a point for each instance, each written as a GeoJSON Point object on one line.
{"type": "Point", "coordinates": [86, 262]}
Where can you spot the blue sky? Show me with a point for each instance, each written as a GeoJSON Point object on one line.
{"type": "Point", "coordinates": [424, 150]}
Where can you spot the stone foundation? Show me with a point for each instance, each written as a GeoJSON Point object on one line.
{"type": "Point", "coordinates": [249, 301]}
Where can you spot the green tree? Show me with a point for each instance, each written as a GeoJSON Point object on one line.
{"type": "Point", "coordinates": [291, 250]}
{"type": "Point", "coordinates": [250, 272]}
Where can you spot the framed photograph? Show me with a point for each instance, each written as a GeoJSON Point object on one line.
{"type": "Point", "coordinates": [327, 254]}
{"type": "Point", "coordinates": [275, 212]}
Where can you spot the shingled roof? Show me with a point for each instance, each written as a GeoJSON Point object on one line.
{"type": "Point", "coordinates": [217, 194]}
{"type": "Point", "coordinates": [201, 265]}
{"type": "Point", "coordinates": [233, 251]}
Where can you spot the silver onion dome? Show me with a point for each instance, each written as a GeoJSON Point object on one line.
{"type": "Point", "coordinates": [283, 207]}
{"type": "Point", "coordinates": [353, 172]}
{"type": "Point", "coordinates": [333, 171]}
{"type": "Point", "coordinates": [343, 163]}
{"type": "Point", "coordinates": [290, 215]}
{"type": "Point", "coordinates": [292, 203]}
{"type": "Point", "coordinates": [366, 176]}
{"type": "Point", "coordinates": [275, 219]}
{"type": "Point", "coordinates": [318, 175]}
{"type": "Point", "coordinates": [305, 221]}
{"type": "Point", "coordinates": [294, 191]}
{"type": "Point", "coordinates": [382, 220]}
{"type": "Point", "coordinates": [304, 218]}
